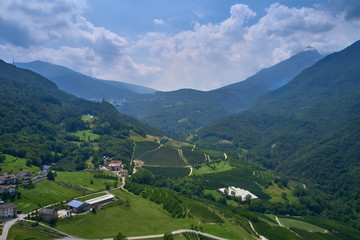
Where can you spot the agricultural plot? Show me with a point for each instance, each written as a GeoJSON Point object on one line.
{"type": "Point", "coordinates": [193, 157]}
{"type": "Point", "coordinates": [176, 144]}
{"type": "Point", "coordinates": [45, 192]}
{"type": "Point", "coordinates": [170, 172]}
{"type": "Point", "coordinates": [200, 212]}
{"type": "Point", "coordinates": [293, 223]}
{"type": "Point", "coordinates": [143, 147]}
{"type": "Point", "coordinates": [164, 156]}
{"type": "Point", "coordinates": [274, 232]}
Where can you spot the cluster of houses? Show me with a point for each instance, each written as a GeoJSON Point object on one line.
{"type": "Point", "coordinates": [116, 166]}
{"type": "Point", "coordinates": [8, 180]}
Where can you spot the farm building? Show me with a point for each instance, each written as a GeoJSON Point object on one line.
{"type": "Point", "coordinates": [100, 200]}
{"type": "Point", "coordinates": [237, 192]}
{"type": "Point", "coordinates": [115, 165]}
{"type": "Point", "coordinates": [7, 210]}
{"type": "Point", "coordinates": [124, 173]}
{"type": "Point", "coordinates": [47, 214]}
{"type": "Point", "coordinates": [78, 206]}
{"type": "Point", "coordinates": [8, 179]}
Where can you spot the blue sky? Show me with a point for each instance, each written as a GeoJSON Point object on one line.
{"type": "Point", "coordinates": [172, 44]}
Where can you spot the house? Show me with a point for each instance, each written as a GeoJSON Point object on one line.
{"type": "Point", "coordinates": [138, 163]}
{"type": "Point", "coordinates": [100, 200]}
{"type": "Point", "coordinates": [8, 179]}
{"type": "Point", "coordinates": [78, 206]}
{"type": "Point", "coordinates": [115, 165]}
{"type": "Point", "coordinates": [124, 173]}
{"type": "Point", "coordinates": [8, 210]}
{"type": "Point", "coordinates": [7, 188]}
{"type": "Point", "coordinates": [46, 214]}
{"type": "Point", "coordinates": [45, 169]}
{"type": "Point", "coordinates": [23, 176]}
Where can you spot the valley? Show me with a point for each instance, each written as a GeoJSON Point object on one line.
{"type": "Point", "coordinates": [292, 150]}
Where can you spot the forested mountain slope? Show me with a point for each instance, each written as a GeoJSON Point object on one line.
{"type": "Point", "coordinates": [308, 129]}
{"type": "Point", "coordinates": [40, 123]}
{"type": "Point", "coordinates": [181, 112]}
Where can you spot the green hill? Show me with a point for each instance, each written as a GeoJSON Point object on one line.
{"type": "Point", "coordinates": [40, 123]}
{"type": "Point", "coordinates": [307, 129]}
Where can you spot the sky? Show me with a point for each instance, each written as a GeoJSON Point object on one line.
{"type": "Point", "coordinates": [173, 44]}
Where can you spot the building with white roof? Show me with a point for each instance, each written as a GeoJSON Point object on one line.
{"type": "Point", "coordinates": [238, 192]}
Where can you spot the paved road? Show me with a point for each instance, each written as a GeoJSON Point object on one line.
{"type": "Point", "coordinates": [9, 224]}
{"type": "Point", "coordinates": [161, 235]}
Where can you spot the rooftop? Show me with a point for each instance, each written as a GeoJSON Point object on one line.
{"type": "Point", "coordinates": [7, 205]}
{"type": "Point", "coordinates": [75, 203]}
{"type": "Point", "coordinates": [100, 199]}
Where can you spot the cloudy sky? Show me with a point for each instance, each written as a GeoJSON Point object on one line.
{"type": "Point", "coordinates": [172, 44]}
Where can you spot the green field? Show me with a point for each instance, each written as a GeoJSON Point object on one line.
{"type": "Point", "coordinates": [275, 192]}
{"type": "Point", "coordinates": [212, 168]}
{"type": "Point", "coordinates": [164, 156]}
{"type": "Point", "coordinates": [87, 135]}
{"type": "Point", "coordinates": [83, 179]}
{"type": "Point", "coordinates": [293, 223]}
{"type": "Point", "coordinates": [20, 233]}
{"type": "Point", "coordinates": [15, 165]}
{"type": "Point", "coordinates": [45, 192]}
{"type": "Point", "coordinates": [144, 147]}
{"type": "Point", "coordinates": [171, 172]}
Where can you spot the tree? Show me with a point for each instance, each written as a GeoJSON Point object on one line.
{"type": "Point", "coordinates": [119, 236]}
{"type": "Point", "coordinates": [168, 236]}
{"type": "Point", "coordinates": [50, 176]}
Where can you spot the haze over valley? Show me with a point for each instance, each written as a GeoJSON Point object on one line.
{"type": "Point", "coordinates": [180, 120]}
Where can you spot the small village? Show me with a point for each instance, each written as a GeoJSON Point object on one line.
{"type": "Point", "coordinates": [51, 213]}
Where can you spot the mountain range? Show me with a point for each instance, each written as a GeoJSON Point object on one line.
{"type": "Point", "coordinates": [84, 86]}
{"type": "Point", "coordinates": [178, 113]}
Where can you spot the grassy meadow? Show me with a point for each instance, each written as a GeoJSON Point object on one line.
{"type": "Point", "coordinates": [15, 165]}
{"type": "Point", "coordinates": [141, 217]}
{"type": "Point", "coordinates": [209, 168]}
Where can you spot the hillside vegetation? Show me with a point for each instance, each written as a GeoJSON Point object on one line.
{"type": "Point", "coordinates": [309, 130]}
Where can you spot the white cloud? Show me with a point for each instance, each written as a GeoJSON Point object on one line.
{"type": "Point", "coordinates": [209, 56]}
{"type": "Point", "coordinates": [158, 21]}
